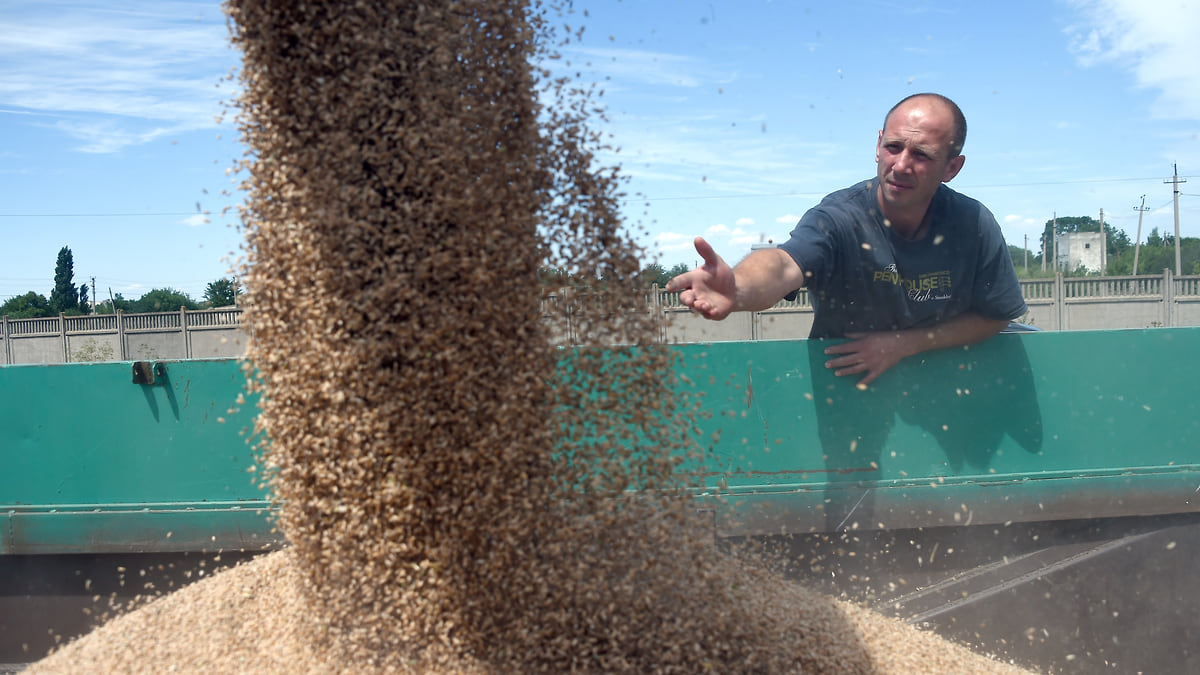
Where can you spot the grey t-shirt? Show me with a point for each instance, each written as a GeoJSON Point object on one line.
{"type": "Point", "coordinates": [862, 276]}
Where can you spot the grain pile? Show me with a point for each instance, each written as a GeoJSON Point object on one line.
{"type": "Point", "coordinates": [455, 500]}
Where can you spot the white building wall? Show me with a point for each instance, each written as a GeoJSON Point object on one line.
{"type": "Point", "coordinates": [1081, 248]}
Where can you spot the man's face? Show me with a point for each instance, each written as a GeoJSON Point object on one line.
{"type": "Point", "coordinates": [913, 158]}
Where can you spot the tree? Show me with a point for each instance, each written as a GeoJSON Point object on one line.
{"type": "Point", "coordinates": [553, 276]}
{"type": "Point", "coordinates": [222, 292]}
{"type": "Point", "coordinates": [65, 296]}
{"type": "Point", "coordinates": [1154, 239]}
{"type": "Point", "coordinates": [84, 307]}
{"type": "Point", "coordinates": [106, 307]}
{"type": "Point", "coordinates": [1018, 257]}
{"type": "Point", "coordinates": [1158, 254]}
{"type": "Point", "coordinates": [163, 300]}
{"type": "Point", "coordinates": [654, 274]}
{"type": "Point", "coordinates": [28, 306]}
{"type": "Point", "coordinates": [678, 269]}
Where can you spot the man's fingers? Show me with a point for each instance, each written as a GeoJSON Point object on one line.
{"type": "Point", "coordinates": [685, 280]}
{"type": "Point", "coordinates": [679, 282]}
{"type": "Point", "coordinates": [862, 384]}
{"type": "Point", "coordinates": [847, 366]}
{"type": "Point", "coordinates": [706, 251]}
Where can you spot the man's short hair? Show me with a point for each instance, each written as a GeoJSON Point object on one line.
{"type": "Point", "coordinates": [960, 122]}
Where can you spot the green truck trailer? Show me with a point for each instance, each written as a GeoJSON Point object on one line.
{"type": "Point", "coordinates": [1035, 495]}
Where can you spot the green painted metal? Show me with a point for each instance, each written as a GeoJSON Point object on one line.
{"type": "Point", "coordinates": [1034, 426]}
{"type": "Point", "coordinates": [91, 461]}
{"type": "Point", "coordinates": [1027, 427]}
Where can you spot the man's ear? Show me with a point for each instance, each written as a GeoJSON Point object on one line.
{"type": "Point", "coordinates": [952, 168]}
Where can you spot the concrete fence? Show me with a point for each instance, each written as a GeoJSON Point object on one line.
{"type": "Point", "coordinates": [1077, 303]}
{"type": "Point", "coordinates": [209, 333]}
{"type": "Point", "coordinates": [1059, 303]}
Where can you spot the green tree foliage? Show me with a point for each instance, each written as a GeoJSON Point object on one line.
{"type": "Point", "coordinates": [85, 307]}
{"type": "Point", "coordinates": [1158, 254]}
{"type": "Point", "coordinates": [106, 307]}
{"type": "Point", "coordinates": [29, 306]}
{"type": "Point", "coordinates": [656, 274]}
{"type": "Point", "coordinates": [64, 297]}
{"type": "Point", "coordinates": [163, 300]}
{"type": "Point", "coordinates": [1018, 256]}
{"type": "Point", "coordinates": [553, 276]}
{"type": "Point", "coordinates": [222, 292]}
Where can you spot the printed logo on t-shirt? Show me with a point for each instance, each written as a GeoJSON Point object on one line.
{"type": "Point", "coordinates": [926, 287]}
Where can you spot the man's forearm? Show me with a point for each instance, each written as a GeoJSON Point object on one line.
{"type": "Point", "coordinates": [872, 354]}
{"type": "Point", "coordinates": [763, 278]}
{"type": "Point", "coordinates": [964, 329]}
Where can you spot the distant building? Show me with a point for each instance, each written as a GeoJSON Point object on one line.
{"type": "Point", "coordinates": [1082, 249]}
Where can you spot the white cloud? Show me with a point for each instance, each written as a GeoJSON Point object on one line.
{"type": "Point", "coordinates": [144, 70]}
{"type": "Point", "coordinates": [744, 222]}
{"type": "Point", "coordinates": [194, 220]}
{"type": "Point", "coordinates": [1155, 42]}
{"type": "Point", "coordinates": [719, 228]}
{"type": "Point", "coordinates": [788, 219]}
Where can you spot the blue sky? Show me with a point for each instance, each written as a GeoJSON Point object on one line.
{"type": "Point", "coordinates": [731, 119]}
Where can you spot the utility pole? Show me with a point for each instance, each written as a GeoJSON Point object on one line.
{"type": "Point", "coordinates": [1103, 246]}
{"type": "Point", "coordinates": [1026, 255]}
{"type": "Point", "coordinates": [1175, 186]}
{"type": "Point", "coordinates": [1137, 243]}
{"type": "Point", "coordinates": [94, 300]}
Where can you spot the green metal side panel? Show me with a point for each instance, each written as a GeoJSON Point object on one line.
{"type": "Point", "coordinates": [1027, 427]}
{"type": "Point", "coordinates": [1034, 426]}
{"type": "Point", "coordinates": [90, 461]}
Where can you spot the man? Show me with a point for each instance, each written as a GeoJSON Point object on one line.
{"type": "Point", "coordinates": [900, 264]}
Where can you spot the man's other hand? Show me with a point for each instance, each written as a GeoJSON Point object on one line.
{"type": "Point", "coordinates": [871, 354]}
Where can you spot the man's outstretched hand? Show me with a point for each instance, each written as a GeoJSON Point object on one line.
{"type": "Point", "coordinates": [710, 290]}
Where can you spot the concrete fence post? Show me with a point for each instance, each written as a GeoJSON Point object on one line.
{"type": "Point", "coordinates": [659, 316]}
{"type": "Point", "coordinates": [1060, 302]}
{"type": "Point", "coordinates": [1168, 293]}
{"type": "Point", "coordinates": [121, 347]}
{"type": "Point", "coordinates": [183, 332]}
{"type": "Point", "coordinates": [568, 302]}
{"type": "Point", "coordinates": [62, 336]}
